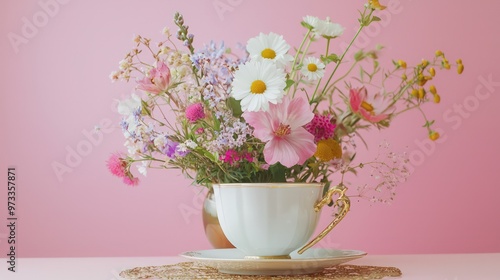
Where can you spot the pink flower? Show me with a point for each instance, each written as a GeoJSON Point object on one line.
{"type": "Point", "coordinates": [368, 107]}
{"type": "Point", "coordinates": [157, 81]}
{"type": "Point", "coordinates": [116, 165]}
{"type": "Point", "coordinates": [195, 112]}
{"type": "Point", "coordinates": [131, 181]}
{"type": "Point", "coordinates": [281, 128]}
{"type": "Point", "coordinates": [231, 156]}
{"type": "Point", "coordinates": [200, 130]}
{"type": "Point", "coordinates": [321, 127]}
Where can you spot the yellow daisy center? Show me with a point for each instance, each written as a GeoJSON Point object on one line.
{"type": "Point", "coordinates": [268, 53]}
{"type": "Point", "coordinates": [327, 150]}
{"type": "Point", "coordinates": [312, 67]}
{"type": "Point", "coordinates": [283, 130]}
{"type": "Point", "coordinates": [367, 106]}
{"type": "Point", "coordinates": [258, 87]}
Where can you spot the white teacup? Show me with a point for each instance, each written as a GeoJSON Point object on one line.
{"type": "Point", "coordinates": [271, 220]}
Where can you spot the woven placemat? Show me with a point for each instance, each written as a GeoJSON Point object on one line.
{"type": "Point", "coordinates": [190, 270]}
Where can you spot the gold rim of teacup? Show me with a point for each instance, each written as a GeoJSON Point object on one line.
{"type": "Point", "coordinates": [283, 257]}
{"type": "Point", "coordinates": [267, 185]}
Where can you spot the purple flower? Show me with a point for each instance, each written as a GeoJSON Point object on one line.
{"type": "Point", "coordinates": [170, 148]}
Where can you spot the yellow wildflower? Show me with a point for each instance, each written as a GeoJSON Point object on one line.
{"type": "Point", "coordinates": [402, 64]}
{"type": "Point", "coordinates": [327, 150]}
{"type": "Point", "coordinates": [374, 4]}
{"type": "Point", "coordinates": [433, 135]}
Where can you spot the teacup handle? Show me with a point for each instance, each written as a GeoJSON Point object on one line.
{"type": "Point", "coordinates": [344, 205]}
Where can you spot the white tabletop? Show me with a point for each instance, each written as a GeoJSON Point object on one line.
{"type": "Point", "coordinates": [425, 267]}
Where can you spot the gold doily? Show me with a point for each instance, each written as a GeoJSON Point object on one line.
{"type": "Point", "coordinates": [189, 270]}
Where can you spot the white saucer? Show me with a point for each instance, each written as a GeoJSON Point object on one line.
{"type": "Point", "coordinates": [232, 261]}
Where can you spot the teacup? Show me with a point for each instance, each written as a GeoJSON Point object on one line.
{"type": "Point", "coordinates": [271, 220]}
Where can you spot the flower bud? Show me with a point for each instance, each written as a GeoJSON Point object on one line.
{"type": "Point", "coordinates": [460, 68]}
{"type": "Point", "coordinates": [404, 77]}
{"type": "Point", "coordinates": [439, 53]}
{"type": "Point", "coordinates": [459, 61]}
{"type": "Point", "coordinates": [432, 89]}
{"type": "Point", "coordinates": [402, 64]}
{"type": "Point", "coordinates": [437, 98]}
{"type": "Point", "coordinates": [432, 71]}
{"type": "Point", "coordinates": [425, 63]}
{"type": "Point", "coordinates": [414, 92]}
{"type": "Point", "coordinates": [433, 135]}
{"type": "Point", "coordinates": [421, 93]}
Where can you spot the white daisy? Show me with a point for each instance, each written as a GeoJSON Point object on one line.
{"type": "Point", "coordinates": [258, 83]}
{"type": "Point", "coordinates": [313, 69]}
{"type": "Point", "coordinates": [269, 47]}
{"type": "Point", "coordinates": [311, 21]}
{"type": "Point", "coordinates": [328, 29]}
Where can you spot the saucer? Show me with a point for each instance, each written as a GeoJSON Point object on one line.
{"type": "Point", "coordinates": [232, 261]}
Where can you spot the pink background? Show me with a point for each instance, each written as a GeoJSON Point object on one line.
{"type": "Point", "coordinates": [57, 86]}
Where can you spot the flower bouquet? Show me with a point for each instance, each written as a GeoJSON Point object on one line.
{"type": "Point", "coordinates": [271, 114]}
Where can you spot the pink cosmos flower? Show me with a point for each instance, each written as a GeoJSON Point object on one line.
{"type": "Point", "coordinates": [157, 81]}
{"type": "Point", "coordinates": [281, 128]}
{"type": "Point", "coordinates": [321, 127]}
{"type": "Point", "coordinates": [116, 165]}
{"type": "Point", "coordinates": [195, 112]}
{"type": "Point", "coordinates": [368, 107]}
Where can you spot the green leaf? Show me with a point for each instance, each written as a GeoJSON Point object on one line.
{"type": "Point", "coordinates": [358, 56]}
{"type": "Point", "coordinates": [209, 155]}
{"type": "Point", "coordinates": [145, 108]}
{"type": "Point", "coordinates": [330, 58]}
{"type": "Point", "coordinates": [306, 25]}
{"type": "Point", "coordinates": [289, 83]}
{"type": "Point", "coordinates": [235, 106]}
{"type": "Point", "coordinates": [375, 18]}
{"type": "Point", "coordinates": [428, 123]}
{"type": "Point", "coordinates": [278, 173]}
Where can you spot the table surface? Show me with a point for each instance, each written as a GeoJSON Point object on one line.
{"type": "Point", "coordinates": [428, 267]}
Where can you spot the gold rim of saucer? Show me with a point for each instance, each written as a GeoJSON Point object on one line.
{"type": "Point", "coordinates": [283, 257]}
{"type": "Point", "coordinates": [268, 185]}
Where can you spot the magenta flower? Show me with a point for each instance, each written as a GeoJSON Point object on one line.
{"type": "Point", "coordinates": [131, 181]}
{"type": "Point", "coordinates": [367, 107]}
{"type": "Point", "coordinates": [321, 127]}
{"type": "Point", "coordinates": [157, 81]}
{"type": "Point", "coordinates": [116, 165]}
{"type": "Point", "coordinates": [231, 156]}
{"type": "Point", "coordinates": [195, 112]}
{"type": "Point", "coordinates": [281, 128]}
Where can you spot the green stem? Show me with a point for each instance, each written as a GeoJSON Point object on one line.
{"type": "Point", "coordinates": [362, 25]}
{"type": "Point", "coordinates": [300, 63]}
{"type": "Point", "coordinates": [292, 74]}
